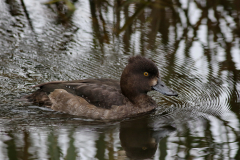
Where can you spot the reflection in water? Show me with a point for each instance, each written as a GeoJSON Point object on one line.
{"type": "Point", "coordinates": [195, 44]}
{"type": "Point", "coordinates": [140, 140]}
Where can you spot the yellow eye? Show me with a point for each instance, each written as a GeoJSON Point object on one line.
{"type": "Point", "coordinates": [145, 73]}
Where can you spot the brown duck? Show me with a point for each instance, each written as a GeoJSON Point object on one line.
{"type": "Point", "coordinates": [105, 98]}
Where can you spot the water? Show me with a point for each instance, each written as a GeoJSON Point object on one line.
{"type": "Point", "coordinates": [195, 45]}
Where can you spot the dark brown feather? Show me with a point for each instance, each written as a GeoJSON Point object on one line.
{"type": "Point", "coordinates": [100, 92]}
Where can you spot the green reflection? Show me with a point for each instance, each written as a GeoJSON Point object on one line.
{"type": "Point", "coordinates": [100, 146]}
{"type": "Point", "coordinates": [54, 150]}
{"type": "Point", "coordinates": [11, 148]}
{"type": "Point", "coordinates": [71, 151]}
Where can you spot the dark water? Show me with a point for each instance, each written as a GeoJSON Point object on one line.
{"type": "Point", "coordinates": [195, 44]}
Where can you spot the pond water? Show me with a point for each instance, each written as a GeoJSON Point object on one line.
{"type": "Point", "coordinates": [195, 44]}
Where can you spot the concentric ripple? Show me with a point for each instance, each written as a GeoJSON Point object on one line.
{"type": "Point", "coordinates": [199, 95]}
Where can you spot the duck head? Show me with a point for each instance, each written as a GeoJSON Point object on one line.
{"type": "Point", "coordinates": [140, 76]}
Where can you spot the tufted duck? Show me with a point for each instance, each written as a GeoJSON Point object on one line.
{"type": "Point", "coordinates": [105, 98]}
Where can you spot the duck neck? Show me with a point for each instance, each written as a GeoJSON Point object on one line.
{"type": "Point", "coordinates": [143, 101]}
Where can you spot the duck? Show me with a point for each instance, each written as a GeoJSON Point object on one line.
{"type": "Point", "coordinates": [106, 99]}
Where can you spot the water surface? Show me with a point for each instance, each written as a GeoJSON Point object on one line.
{"type": "Point", "coordinates": [195, 45]}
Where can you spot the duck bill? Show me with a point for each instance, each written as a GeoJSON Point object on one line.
{"type": "Point", "coordinates": [162, 88]}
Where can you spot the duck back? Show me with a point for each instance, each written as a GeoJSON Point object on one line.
{"type": "Point", "coordinates": [102, 93]}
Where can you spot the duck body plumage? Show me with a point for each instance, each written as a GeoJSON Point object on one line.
{"type": "Point", "coordinates": [104, 98]}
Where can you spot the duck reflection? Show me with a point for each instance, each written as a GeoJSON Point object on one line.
{"type": "Point", "coordinates": [140, 139]}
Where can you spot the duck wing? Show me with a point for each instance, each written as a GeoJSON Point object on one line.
{"type": "Point", "coordinates": [102, 93]}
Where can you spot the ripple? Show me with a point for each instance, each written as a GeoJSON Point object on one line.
{"type": "Point", "coordinates": [199, 95]}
